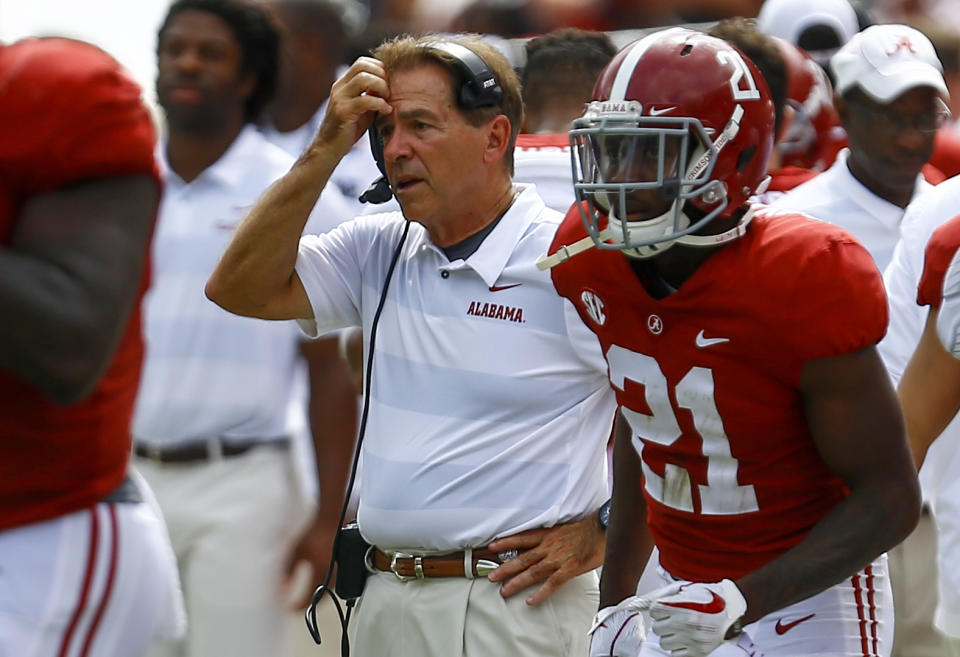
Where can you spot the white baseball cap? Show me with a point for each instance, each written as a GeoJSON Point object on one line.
{"type": "Point", "coordinates": [788, 19]}
{"type": "Point", "coordinates": [887, 60]}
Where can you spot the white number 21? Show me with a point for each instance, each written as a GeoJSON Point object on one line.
{"type": "Point", "coordinates": [722, 494]}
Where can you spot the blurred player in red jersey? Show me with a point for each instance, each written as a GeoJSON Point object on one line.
{"type": "Point", "coordinates": [759, 436]}
{"type": "Point", "coordinates": [815, 135]}
{"type": "Point", "coordinates": [86, 568]}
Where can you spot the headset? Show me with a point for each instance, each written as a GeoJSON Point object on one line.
{"type": "Point", "coordinates": [478, 88]}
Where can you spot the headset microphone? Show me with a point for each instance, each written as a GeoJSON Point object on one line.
{"type": "Point", "coordinates": [378, 192]}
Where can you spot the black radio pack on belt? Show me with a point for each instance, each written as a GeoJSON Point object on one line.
{"type": "Point", "coordinates": [351, 558]}
{"type": "Point", "coordinates": [478, 88]}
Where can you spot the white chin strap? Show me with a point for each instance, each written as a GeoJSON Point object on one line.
{"type": "Point", "coordinates": [566, 252]}
{"type": "Point", "coordinates": [736, 232]}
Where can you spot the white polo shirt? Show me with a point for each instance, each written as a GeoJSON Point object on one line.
{"type": "Point", "coordinates": [838, 198]}
{"type": "Point", "coordinates": [207, 372]}
{"type": "Point", "coordinates": [938, 477]}
{"type": "Point", "coordinates": [490, 408]}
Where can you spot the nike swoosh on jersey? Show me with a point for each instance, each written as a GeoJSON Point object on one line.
{"type": "Point", "coordinates": [497, 288]}
{"type": "Point", "coordinates": [714, 606]}
{"type": "Point", "coordinates": [703, 341]}
{"type": "Point", "coordinates": [783, 628]}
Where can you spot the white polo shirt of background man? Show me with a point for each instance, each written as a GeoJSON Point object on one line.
{"type": "Point", "coordinates": [211, 375]}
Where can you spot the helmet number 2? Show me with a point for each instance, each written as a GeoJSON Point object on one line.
{"type": "Point", "coordinates": [721, 494]}
{"type": "Point", "coordinates": [740, 72]}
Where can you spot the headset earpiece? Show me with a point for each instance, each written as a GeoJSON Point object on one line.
{"type": "Point", "coordinates": [478, 86]}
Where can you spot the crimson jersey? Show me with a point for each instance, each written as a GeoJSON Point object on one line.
{"type": "Point", "coordinates": [946, 151]}
{"type": "Point", "coordinates": [708, 378]}
{"type": "Point", "coordinates": [786, 178]}
{"type": "Point", "coordinates": [940, 250]}
{"type": "Point", "coordinates": [67, 113]}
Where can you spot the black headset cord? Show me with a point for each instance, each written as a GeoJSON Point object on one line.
{"type": "Point", "coordinates": [310, 615]}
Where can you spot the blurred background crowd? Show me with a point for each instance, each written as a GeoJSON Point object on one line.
{"type": "Point", "coordinates": [127, 30]}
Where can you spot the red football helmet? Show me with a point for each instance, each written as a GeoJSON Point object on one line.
{"type": "Point", "coordinates": [678, 118]}
{"type": "Point", "coordinates": [815, 135]}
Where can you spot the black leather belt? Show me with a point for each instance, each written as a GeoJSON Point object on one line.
{"type": "Point", "coordinates": [205, 450]}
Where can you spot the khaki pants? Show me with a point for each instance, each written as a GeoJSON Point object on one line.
{"type": "Point", "coordinates": [913, 576]}
{"type": "Point", "coordinates": [231, 522]}
{"type": "Point", "coordinates": [460, 617]}
{"type": "Point", "coordinates": [953, 647]}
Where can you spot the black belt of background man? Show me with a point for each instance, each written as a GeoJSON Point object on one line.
{"type": "Point", "coordinates": [205, 450]}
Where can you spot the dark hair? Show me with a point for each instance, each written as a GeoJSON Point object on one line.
{"type": "Point", "coordinates": [255, 32]}
{"type": "Point", "coordinates": [564, 63]}
{"type": "Point", "coordinates": [764, 52]}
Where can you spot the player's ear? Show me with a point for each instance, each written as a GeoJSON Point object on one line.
{"type": "Point", "coordinates": [498, 139]}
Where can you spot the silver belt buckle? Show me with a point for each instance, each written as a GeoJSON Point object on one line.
{"type": "Point", "coordinates": [485, 567]}
{"type": "Point", "coordinates": [417, 566]}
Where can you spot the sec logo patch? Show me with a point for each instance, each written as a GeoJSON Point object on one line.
{"type": "Point", "coordinates": [593, 304]}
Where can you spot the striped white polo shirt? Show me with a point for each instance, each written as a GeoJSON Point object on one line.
{"type": "Point", "coordinates": [490, 408]}
{"type": "Point", "coordinates": [207, 372]}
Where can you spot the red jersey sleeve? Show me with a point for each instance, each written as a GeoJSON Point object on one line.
{"type": "Point", "coordinates": [85, 116]}
{"type": "Point", "coordinates": [832, 301]}
{"type": "Point", "coordinates": [939, 253]}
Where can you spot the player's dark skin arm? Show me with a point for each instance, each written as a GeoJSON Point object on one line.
{"type": "Point", "coordinates": [629, 542]}
{"type": "Point", "coordinates": [333, 425]}
{"type": "Point", "coordinates": [69, 278]}
{"type": "Point", "coordinates": [929, 390]}
{"type": "Point", "coordinates": [857, 426]}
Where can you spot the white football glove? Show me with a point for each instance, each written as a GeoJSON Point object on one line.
{"type": "Point", "coordinates": [617, 631]}
{"type": "Point", "coordinates": [692, 619]}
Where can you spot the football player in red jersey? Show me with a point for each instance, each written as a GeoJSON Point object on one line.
{"type": "Point", "coordinates": [760, 444]}
{"type": "Point", "coordinates": [86, 567]}
{"type": "Point", "coordinates": [815, 135]}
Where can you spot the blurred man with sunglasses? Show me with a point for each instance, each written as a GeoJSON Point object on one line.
{"type": "Point", "coordinates": [889, 95]}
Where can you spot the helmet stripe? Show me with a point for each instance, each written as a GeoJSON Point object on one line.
{"type": "Point", "coordinates": [625, 72]}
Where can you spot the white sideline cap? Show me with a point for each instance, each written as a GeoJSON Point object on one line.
{"type": "Point", "coordinates": [788, 19]}
{"type": "Point", "coordinates": [887, 60]}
